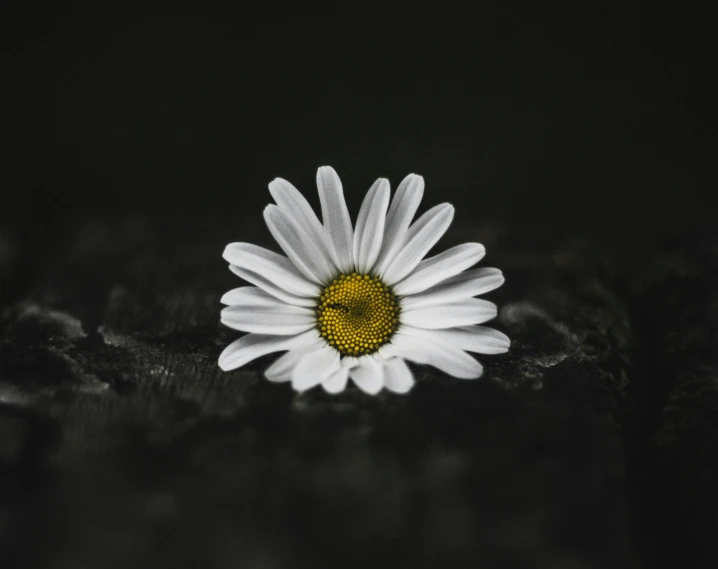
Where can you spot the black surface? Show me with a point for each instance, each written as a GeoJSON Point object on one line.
{"type": "Point", "coordinates": [577, 145]}
{"type": "Point", "coordinates": [112, 358]}
{"type": "Point", "coordinates": [675, 431]}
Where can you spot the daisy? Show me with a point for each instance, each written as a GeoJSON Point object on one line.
{"type": "Point", "coordinates": [357, 303]}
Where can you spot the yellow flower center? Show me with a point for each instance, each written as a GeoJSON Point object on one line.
{"type": "Point", "coordinates": [357, 314]}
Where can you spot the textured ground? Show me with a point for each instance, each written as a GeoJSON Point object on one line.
{"type": "Point", "coordinates": [122, 444]}
{"type": "Point", "coordinates": [121, 437]}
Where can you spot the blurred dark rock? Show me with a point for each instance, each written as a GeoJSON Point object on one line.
{"type": "Point", "coordinates": [675, 470]}
{"type": "Point", "coordinates": [145, 454]}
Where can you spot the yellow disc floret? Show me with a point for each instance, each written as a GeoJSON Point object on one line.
{"type": "Point", "coordinates": [357, 314]}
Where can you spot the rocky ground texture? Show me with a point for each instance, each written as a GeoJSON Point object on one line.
{"type": "Point", "coordinates": [591, 444]}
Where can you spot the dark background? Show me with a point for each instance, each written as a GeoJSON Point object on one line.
{"type": "Point", "coordinates": [599, 116]}
{"type": "Point", "coordinates": [136, 144]}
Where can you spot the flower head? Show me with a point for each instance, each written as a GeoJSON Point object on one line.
{"type": "Point", "coordinates": [354, 303]}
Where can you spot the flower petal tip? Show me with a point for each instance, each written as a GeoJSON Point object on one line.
{"type": "Point", "coordinates": [224, 364]}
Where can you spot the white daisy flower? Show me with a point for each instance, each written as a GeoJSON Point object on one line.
{"type": "Point", "coordinates": [357, 303]}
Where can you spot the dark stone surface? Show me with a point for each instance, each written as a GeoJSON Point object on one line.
{"type": "Point", "coordinates": [122, 444]}
{"type": "Point", "coordinates": [674, 466]}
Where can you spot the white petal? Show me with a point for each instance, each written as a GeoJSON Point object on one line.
{"type": "Point", "coordinates": [314, 368]}
{"type": "Point", "coordinates": [290, 199]}
{"type": "Point", "coordinates": [397, 376]}
{"type": "Point", "coordinates": [281, 319]}
{"type": "Point", "coordinates": [450, 314]}
{"type": "Point", "coordinates": [295, 205]}
{"type": "Point", "coordinates": [403, 207]}
{"type": "Point", "coordinates": [368, 375]}
{"type": "Point", "coordinates": [273, 288]}
{"type": "Point", "coordinates": [252, 346]}
{"type": "Point", "coordinates": [440, 267]}
{"type": "Point", "coordinates": [479, 339]}
{"type": "Point", "coordinates": [249, 298]}
{"type": "Point", "coordinates": [462, 286]}
{"type": "Point", "coordinates": [337, 223]}
{"type": "Point", "coordinates": [306, 255]}
{"type": "Point", "coordinates": [282, 368]}
{"type": "Point", "coordinates": [425, 347]}
{"type": "Point", "coordinates": [270, 265]}
{"type": "Point", "coordinates": [370, 226]}
{"type": "Point", "coordinates": [337, 381]}
{"type": "Point", "coordinates": [249, 295]}
{"type": "Point", "coordinates": [420, 238]}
